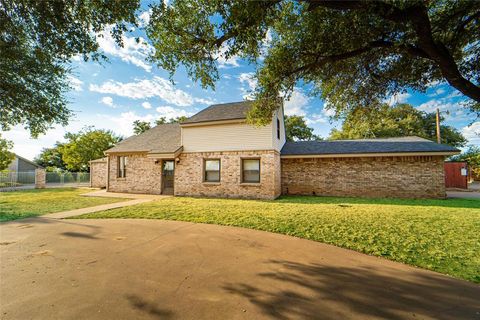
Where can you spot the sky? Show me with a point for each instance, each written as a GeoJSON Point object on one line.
{"type": "Point", "coordinates": [113, 94]}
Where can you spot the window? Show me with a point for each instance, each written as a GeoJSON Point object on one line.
{"type": "Point", "coordinates": [251, 170]}
{"type": "Point", "coordinates": [122, 167]}
{"type": "Point", "coordinates": [211, 170]}
{"type": "Point", "coordinates": [278, 128]}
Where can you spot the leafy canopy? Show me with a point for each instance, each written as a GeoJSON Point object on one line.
{"type": "Point", "coordinates": [297, 129]}
{"type": "Point", "coordinates": [84, 146]}
{"type": "Point", "coordinates": [6, 156]}
{"type": "Point", "coordinates": [52, 158]}
{"type": "Point", "coordinates": [400, 120]}
{"type": "Point", "coordinates": [353, 52]}
{"type": "Point", "coordinates": [37, 41]}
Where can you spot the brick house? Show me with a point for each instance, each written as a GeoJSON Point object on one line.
{"type": "Point", "coordinates": [215, 153]}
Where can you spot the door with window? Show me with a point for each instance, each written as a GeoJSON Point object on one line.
{"type": "Point", "coordinates": [168, 169]}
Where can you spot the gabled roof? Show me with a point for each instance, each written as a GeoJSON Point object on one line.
{"type": "Point", "coordinates": [224, 111]}
{"type": "Point", "coordinates": [28, 161]}
{"type": "Point", "coordinates": [164, 138]}
{"type": "Point", "coordinates": [406, 145]}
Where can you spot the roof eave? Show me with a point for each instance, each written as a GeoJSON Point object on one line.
{"type": "Point", "coordinates": [371, 154]}
{"type": "Point", "coordinates": [165, 155]}
{"type": "Point", "coordinates": [212, 122]}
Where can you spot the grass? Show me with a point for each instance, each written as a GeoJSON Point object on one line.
{"type": "Point", "coordinates": [29, 203]}
{"type": "Point", "coordinates": [440, 235]}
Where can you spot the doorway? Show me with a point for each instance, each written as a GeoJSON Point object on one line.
{"type": "Point", "coordinates": [168, 170]}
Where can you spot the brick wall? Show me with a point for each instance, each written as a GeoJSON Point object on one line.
{"type": "Point", "coordinates": [189, 175]}
{"type": "Point", "coordinates": [402, 177]}
{"type": "Point", "coordinates": [40, 178]}
{"type": "Point", "coordinates": [143, 175]}
{"type": "Point", "coordinates": [98, 174]}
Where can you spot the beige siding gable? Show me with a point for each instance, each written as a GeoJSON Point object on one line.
{"type": "Point", "coordinates": [227, 137]}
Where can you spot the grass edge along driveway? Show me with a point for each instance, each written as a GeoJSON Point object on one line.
{"type": "Point", "coordinates": [439, 235]}
{"type": "Point", "coordinates": [30, 203]}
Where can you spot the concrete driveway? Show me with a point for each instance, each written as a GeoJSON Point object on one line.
{"type": "Point", "coordinates": [153, 269]}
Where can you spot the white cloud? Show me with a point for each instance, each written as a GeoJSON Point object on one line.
{"type": "Point", "coordinates": [169, 112]}
{"type": "Point", "coordinates": [472, 133]}
{"type": "Point", "coordinates": [206, 101]}
{"type": "Point", "coordinates": [398, 98]}
{"type": "Point", "coordinates": [144, 18]}
{"type": "Point", "coordinates": [327, 111]}
{"type": "Point", "coordinates": [107, 101]}
{"type": "Point", "coordinates": [223, 61]}
{"type": "Point", "coordinates": [147, 105]}
{"type": "Point", "coordinates": [75, 83]}
{"type": "Point", "coordinates": [450, 111]}
{"type": "Point", "coordinates": [124, 123]}
{"type": "Point", "coordinates": [248, 79]}
{"type": "Point", "coordinates": [29, 148]}
{"type": "Point", "coordinates": [132, 51]}
{"type": "Point", "coordinates": [437, 92]}
{"type": "Point", "coordinates": [295, 105]}
{"type": "Point", "coordinates": [156, 87]}
{"type": "Point", "coordinates": [432, 105]}
{"type": "Point", "coordinates": [316, 118]}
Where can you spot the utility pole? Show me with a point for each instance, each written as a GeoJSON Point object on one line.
{"type": "Point", "coordinates": [438, 126]}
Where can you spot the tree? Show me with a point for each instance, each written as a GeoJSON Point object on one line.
{"type": "Point", "coordinates": [353, 52]}
{"type": "Point", "coordinates": [52, 158]}
{"type": "Point", "coordinates": [88, 144]}
{"type": "Point", "coordinates": [37, 41]}
{"type": "Point", "coordinates": [296, 129]}
{"type": "Point", "coordinates": [140, 126]}
{"type": "Point", "coordinates": [163, 120]}
{"type": "Point", "coordinates": [178, 119]}
{"type": "Point", "coordinates": [6, 156]}
{"type": "Point", "coordinates": [400, 120]}
{"type": "Point", "coordinates": [472, 157]}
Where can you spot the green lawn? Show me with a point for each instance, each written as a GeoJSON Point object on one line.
{"type": "Point", "coordinates": [440, 235]}
{"type": "Point", "coordinates": [29, 203]}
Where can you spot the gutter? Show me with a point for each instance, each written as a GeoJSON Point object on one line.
{"type": "Point", "coordinates": [379, 154]}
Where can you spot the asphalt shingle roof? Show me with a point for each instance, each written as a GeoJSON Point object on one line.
{"type": "Point", "coordinates": [225, 111]}
{"type": "Point", "coordinates": [390, 145]}
{"type": "Point", "coordinates": [164, 138]}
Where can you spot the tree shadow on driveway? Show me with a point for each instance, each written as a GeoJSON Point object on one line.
{"type": "Point", "coordinates": [149, 307]}
{"type": "Point", "coordinates": [316, 291]}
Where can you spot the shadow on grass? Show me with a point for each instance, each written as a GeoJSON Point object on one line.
{"type": "Point", "coordinates": [315, 291]}
{"type": "Point", "coordinates": [447, 203]}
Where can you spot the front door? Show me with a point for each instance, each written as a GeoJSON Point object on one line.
{"type": "Point", "coordinates": [168, 169]}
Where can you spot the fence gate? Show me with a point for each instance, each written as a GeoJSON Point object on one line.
{"type": "Point", "coordinates": [456, 175]}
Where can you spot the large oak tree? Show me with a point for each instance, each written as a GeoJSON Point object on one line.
{"type": "Point", "coordinates": [37, 41]}
{"type": "Point", "coordinates": [354, 52]}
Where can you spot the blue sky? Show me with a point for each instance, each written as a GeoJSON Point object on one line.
{"type": "Point", "coordinates": [114, 94]}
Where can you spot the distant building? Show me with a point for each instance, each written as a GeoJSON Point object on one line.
{"type": "Point", "coordinates": [20, 164]}
{"type": "Point", "coordinates": [22, 170]}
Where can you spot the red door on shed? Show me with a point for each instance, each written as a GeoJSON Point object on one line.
{"type": "Point", "coordinates": [456, 175]}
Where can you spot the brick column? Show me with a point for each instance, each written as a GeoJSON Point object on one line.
{"type": "Point", "coordinates": [40, 178]}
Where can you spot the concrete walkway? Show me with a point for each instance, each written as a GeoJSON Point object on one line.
{"type": "Point", "coordinates": [463, 195]}
{"type": "Point", "coordinates": [136, 199]}
{"type": "Point", "coordinates": [154, 269]}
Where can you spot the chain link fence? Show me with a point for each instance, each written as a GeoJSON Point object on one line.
{"type": "Point", "coordinates": [74, 179]}
{"type": "Point", "coordinates": [14, 180]}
